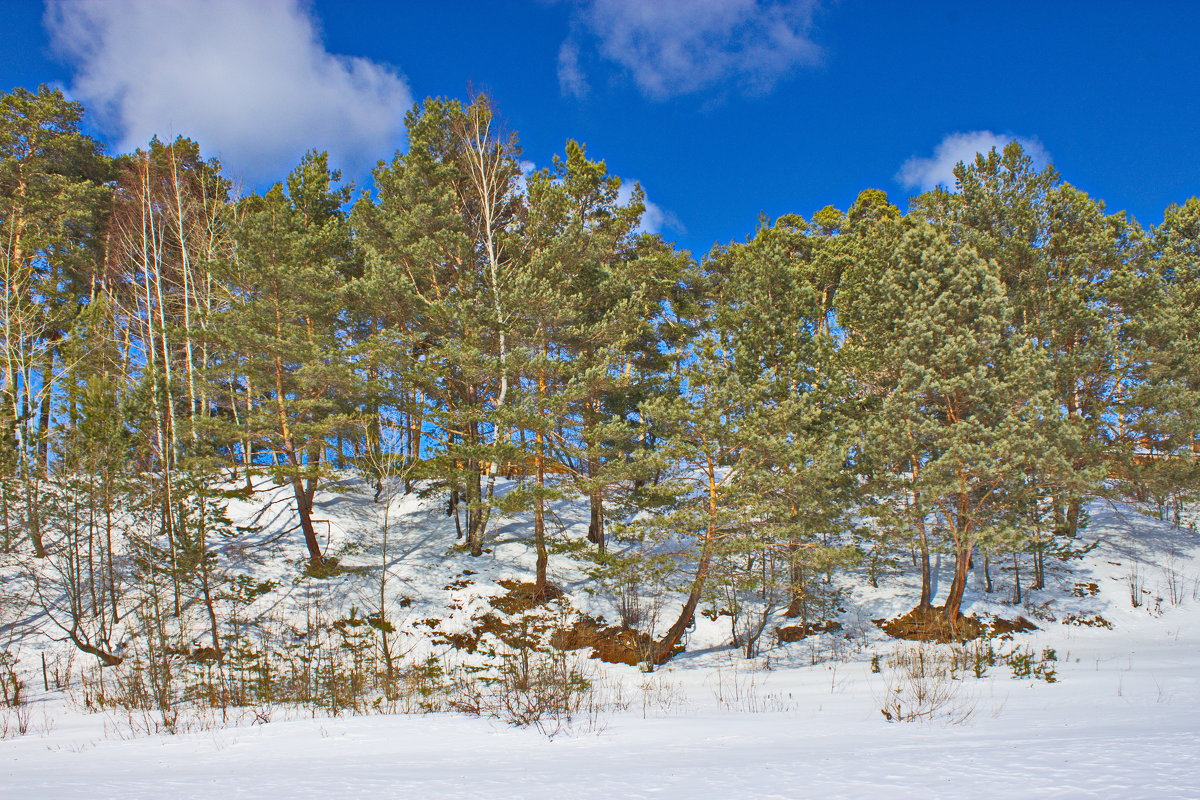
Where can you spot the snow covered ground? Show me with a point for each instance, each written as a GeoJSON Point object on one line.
{"type": "Point", "coordinates": [1120, 720]}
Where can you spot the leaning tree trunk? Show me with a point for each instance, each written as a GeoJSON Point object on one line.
{"type": "Point", "coordinates": [303, 496]}
{"type": "Point", "coordinates": [304, 508]}
{"type": "Point", "coordinates": [667, 646]}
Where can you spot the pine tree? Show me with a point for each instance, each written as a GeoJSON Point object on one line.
{"type": "Point", "coordinates": [774, 295]}
{"type": "Point", "coordinates": [968, 402]}
{"type": "Point", "coordinates": [1163, 408]}
{"type": "Point", "coordinates": [439, 246]}
{"type": "Point", "coordinates": [706, 433]}
{"type": "Point", "coordinates": [595, 299]}
{"type": "Point", "coordinates": [1076, 279]}
{"type": "Point", "coordinates": [51, 202]}
{"type": "Point", "coordinates": [281, 331]}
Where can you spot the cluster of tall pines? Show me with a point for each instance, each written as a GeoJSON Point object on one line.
{"type": "Point", "coordinates": [869, 389]}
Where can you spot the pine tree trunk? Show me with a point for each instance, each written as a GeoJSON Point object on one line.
{"type": "Point", "coordinates": [303, 497]}
{"type": "Point", "coordinates": [247, 441]}
{"type": "Point", "coordinates": [962, 570]}
{"type": "Point", "coordinates": [796, 603]}
{"type": "Point", "coordinates": [667, 646]}
{"type": "Point", "coordinates": [596, 519]}
{"type": "Point", "coordinates": [539, 521]}
{"type": "Point", "coordinates": [314, 467]}
{"type": "Point", "coordinates": [1074, 510]}
{"type": "Point", "coordinates": [926, 577]}
{"type": "Point", "coordinates": [206, 593]}
{"type": "Point", "coordinates": [34, 516]}
{"type": "Point", "coordinates": [304, 509]}
{"type": "Point", "coordinates": [1016, 579]}
{"type": "Point", "coordinates": [43, 425]}
{"type": "Point", "coordinates": [417, 423]}
{"type": "Point", "coordinates": [595, 533]}
{"type": "Point", "coordinates": [926, 602]}
{"type": "Point", "coordinates": [474, 502]}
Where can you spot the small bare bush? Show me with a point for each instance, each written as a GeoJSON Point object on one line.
{"type": "Point", "coordinates": [922, 686]}
{"type": "Point", "coordinates": [1174, 582]}
{"type": "Point", "coordinates": [529, 688]}
{"type": "Point", "coordinates": [631, 606]}
{"type": "Point", "coordinates": [12, 687]}
{"type": "Point", "coordinates": [14, 720]}
{"type": "Point", "coordinates": [14, 704]}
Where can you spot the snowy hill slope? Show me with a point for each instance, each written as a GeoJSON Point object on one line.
{"type": "Point", "coordinates": [1100, 700]}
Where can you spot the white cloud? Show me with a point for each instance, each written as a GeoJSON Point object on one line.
{"type": "Point", "coordinates": [674, 47]}
{"type": "Point", "coordinates": [521, 184]}
{"type": "Point", "coordinates": [655, 219]}
{"type": "Point", "coordinates": [938, 169]}
{"type": "Point", "coordinates": [251, 81]}
{"type": "Point", "coordinates": [570, 76]}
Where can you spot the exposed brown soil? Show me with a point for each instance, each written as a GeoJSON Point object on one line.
{"type": "Point", "coordinates": [1085, 590]}
{"type": "Point", "coordinates": [715, 613]}
{"type": "Point", "coordinates": [199, 654]}
{"type": "Point", "coordinates": [467, 641]}
{"type": "Point", "coordinates": [523, 596]}
{"type": "Point", "coordinates": [202, 654]}
{"type": "Point", "coordinates": [794, 633]}
{"type": "Point", "coordinates": [1007, 626]}
{"type": "Point", "coordinates": [511, 625]}
{"type": "Point", "coordinates": [610, 643]}
{"type": "Point", "coordinates": [928, 625]}
{"type": "Point", "coordinates": [796, 609]}
{"type": "Point", "coordinates": [1087, 622]}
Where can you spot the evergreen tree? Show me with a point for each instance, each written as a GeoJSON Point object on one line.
{"type": "Point", "coordinates": [596, 302]}
{"type": "Point", "coordinates": [440, 250]}
{"type": "Point", "coordinates": [1163, 410]}
{"type": "Point", "coordinates": [51, 205]}
{"type": "Point", "coordinates": [282, 328]}
{"type": "Point", "coordinates": [774, 297]}
{"type": "Point", "coordinates": [968, 403]}
{"type": "Point", "coordinates": [1076, 279]}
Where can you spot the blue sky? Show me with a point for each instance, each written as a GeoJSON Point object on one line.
{"type": "Point", "coordinates": [721, 108]}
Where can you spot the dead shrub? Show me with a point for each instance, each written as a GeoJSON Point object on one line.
{"type": "Point", "coordinates": [922, 686]}
{"type": "Point", "coordinates": [548, 691]}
